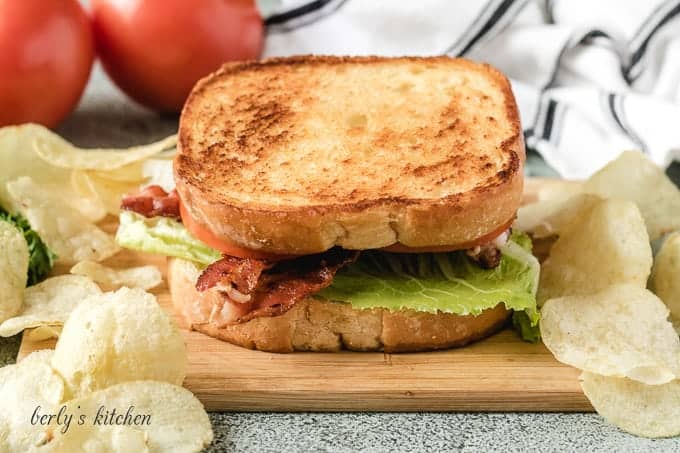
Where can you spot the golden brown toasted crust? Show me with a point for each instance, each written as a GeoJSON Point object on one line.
{"type": "Point", "coordinates": [320, 325]}
{"type": "Point", "coordinates": [296, 155]}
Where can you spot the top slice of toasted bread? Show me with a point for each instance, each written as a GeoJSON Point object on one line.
{"type": "Point", "coordinates": [296, 155]}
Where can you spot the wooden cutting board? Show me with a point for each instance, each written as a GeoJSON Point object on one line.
{"type": "Point", "coordinates": [501, 373]}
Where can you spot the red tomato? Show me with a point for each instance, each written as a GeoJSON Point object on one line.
{"type": "Point", "coordinates": [46, 54]}
{"type": "Point", "coordinates": [156, 50]}
{"type": "Point", "coordinates": [209, 238]}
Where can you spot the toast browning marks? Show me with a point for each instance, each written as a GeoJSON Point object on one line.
{"type": "Point", "coordinates": [299, 154]}
{"type": "Point", "coordinates": [316, 131]}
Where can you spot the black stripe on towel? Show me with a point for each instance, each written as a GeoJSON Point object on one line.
{"type": "Point", "coordinates": [302, 15]}
{"type": "Point", "coordinates": [495, 23]}
{"type": "Point", "coordinates": [550, 10]}
{"type": "Point", "coordinates": [593, 34]}
{"type": "Point", "coordinates": [571, 43]}
{"type": "Point", "coordinates": [472, 28]}
{"type": "Point", "coordinates": [296, 12]}
{"type": "Point", "coordinates": [615, 103]}
{"type": "Point", "coordinates": [638, 54]}
{"type": "Point", "coordinates": [554, 116]}
{"type": "Point", "coordinates": [489, 25]}
{"type": "Point", "coordinates": [650, 22]}
{"type": "Point", "coordinates": [549, 120]}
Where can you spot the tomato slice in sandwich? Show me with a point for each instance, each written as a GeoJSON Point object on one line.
{"type": "Point", "coordinates": [226, 247]}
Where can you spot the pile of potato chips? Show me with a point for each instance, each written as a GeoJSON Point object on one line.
{"type": "Point", "coordinates": [597, 313]}
{"type": "Point", "coordinates": [116, 349]}
{"type": "Point", "coordinates": [100, 361]}
{"type": "Point", "coordinates": [65, 193]}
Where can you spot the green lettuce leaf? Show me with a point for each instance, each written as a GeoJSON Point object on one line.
{"type": "Point", "coordinates": [164, 236]}
{"type": "Point", "coordinates": [526, 325]}
{"type": "Point", "coordinates": [41, 258]}
{"type": "Point", "coordinates": [446, 282]}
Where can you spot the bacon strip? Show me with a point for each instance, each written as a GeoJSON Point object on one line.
{"type": "Point", "coordinates": [489, 255]}
{"type": "Point", "coordinates": [152, 201]}
{"type": "Point", "coordinates": [254, 288]}
{"type": "Point", "coordinates": [243, 274]}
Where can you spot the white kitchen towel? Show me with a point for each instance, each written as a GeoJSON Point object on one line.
{"type": "Point", "coordinates": [592, 77]}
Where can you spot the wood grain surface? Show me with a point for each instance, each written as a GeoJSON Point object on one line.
{"type": "Point", "coordinates": [501, 373]}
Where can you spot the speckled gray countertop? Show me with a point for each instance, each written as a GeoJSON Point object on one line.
{"type": "Point", "coordinates": [106, 118]}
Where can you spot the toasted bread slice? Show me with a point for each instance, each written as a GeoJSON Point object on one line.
{"type": "Point", "coordinates": [296, 155]}
{"type": "Point", "coordinates": [315, 324]}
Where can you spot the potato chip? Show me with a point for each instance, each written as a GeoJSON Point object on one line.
{"type": "Point", "coordinates": [551, 189]}
{"type": "Point", "coordinates": [99, 188]}
{"type": "Point", "coordinates": [42, 333]}
{"type": "Point", "coordinates": [56, 151]}
{"type": "Point", "coordinates": [608, 246]}
{"type": "Point", "coordinates": [117, 337]}
{"type": "Point", "coordinates": [17, 158]}
{"type": "Point", "coordinates": [50, 303]}
{"type": "Point", "coordinates": [640, 409]}
{"type": "Point", "coordinates": [622, 331]}
{"type": "Point", "coordinates": [90, 438]}
{"type": "Point", "coordinates": [170, 416]}
{"type": "Point", "coordinates": [636, 178]}
{"type": "Point", "coordinates": [550, 217]}
{"type": "Point", "coordinates": [665, 280]}
{"type": "Point", "coordinates": [30, 384]}
{"type": "Point", "coordinates": [111, 192]}
{"type": "Point", "coordinates": [20, 156]}
{"type": "Point", "coordinates": [14, 268]}
{"type": "Point", "coordinates": [168, 154]}
{"type": "Point", "coordinates": [85, 193]}
{"type": "Point", "coordinates": [132, 173]}
{"type": "Point", "coordinates": [140, 172]}
{"type": "Point", "coordinates": [64, 230]}
{"type": "Point", "coordinates": [145, 277]}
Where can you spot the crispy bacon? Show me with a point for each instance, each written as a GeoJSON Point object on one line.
{"type": "Point", "coordinates": [489, 255]}
{"type": "Point", "coordinates": [152, 201]}
{"type": "Point", "coordinates": [252, 288]}
{"type": "Point", "coordinates": [243, 274]}
{"type": "Point", "coordinates": [486, 255]}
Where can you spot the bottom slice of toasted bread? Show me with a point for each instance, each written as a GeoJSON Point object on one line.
{"type": "Point", "coordinates": [326, 326]}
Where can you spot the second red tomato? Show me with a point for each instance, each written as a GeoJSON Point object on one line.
{"type": "Point", "coordinates": [156, 50]}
